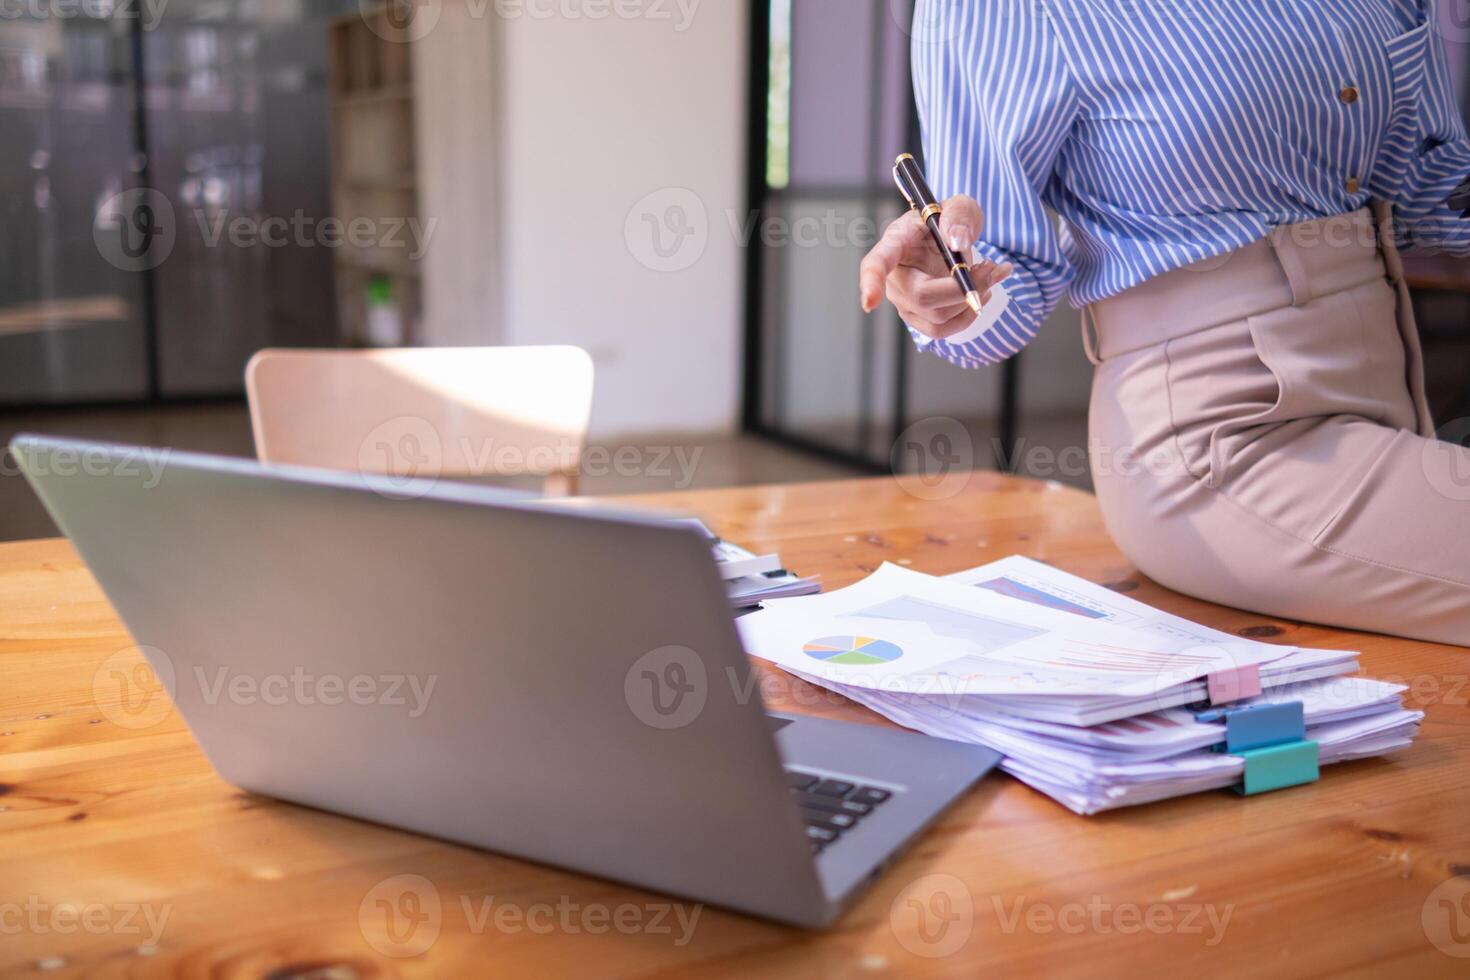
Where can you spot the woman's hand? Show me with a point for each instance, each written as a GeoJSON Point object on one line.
{"type": "Point", "coordinates": [907, 268]}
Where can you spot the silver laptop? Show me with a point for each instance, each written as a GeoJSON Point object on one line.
{"type": "Point", "coordinates": [564, 684]}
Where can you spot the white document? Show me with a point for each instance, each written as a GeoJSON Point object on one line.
{"type": "Point", "coordinates": [899, 630]}
{"type": "Point", "coordinates": [1157, 735]}
{"type": "Point", "coordinates": [1088, 785]}
{"type": "Point", "coordinates": [1293, 669]}
{"type": "Point", "coordinates": [1036, 582]}
{"type": "Point", "coordinates": [1023, 658]}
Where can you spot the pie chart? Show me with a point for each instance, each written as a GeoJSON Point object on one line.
{"type": "Point", "coordinates": [854, 651]}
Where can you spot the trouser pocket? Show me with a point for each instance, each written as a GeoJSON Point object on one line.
{"type": "Point", "coordinates": [1340, 355]}
{"type": "Point", "coordinates": [1218, 387]}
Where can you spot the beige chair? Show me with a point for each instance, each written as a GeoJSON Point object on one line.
{"type": "Point", "coordinates": [425, 412]}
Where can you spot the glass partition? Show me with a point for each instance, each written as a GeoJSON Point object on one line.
{"type": "Point", "coordinates": [73, 324]}
{"type": "Point", "coordinates": [835, 103]}
{"type": "Point", "coordinates": [838, 110]}
{"type": "Point", "coordinates": [133, 135]}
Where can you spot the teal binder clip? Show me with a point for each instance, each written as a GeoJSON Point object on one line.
{"type": "Point", "coordinates": [1272, 739]}
{"type": "Point", "coordinates": [1255, 726]}
{"type": "Point", "coordinates": [1278, 766]}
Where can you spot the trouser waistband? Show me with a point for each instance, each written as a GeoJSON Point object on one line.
{"type": "Point", "coordinates": [1291, 266]}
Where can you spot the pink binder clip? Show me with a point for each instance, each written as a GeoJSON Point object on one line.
{"type": "Point", "coordinates": [1234, 684]}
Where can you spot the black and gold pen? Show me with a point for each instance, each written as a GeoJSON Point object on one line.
{"type": "Point", "coordinates": [915, 190]}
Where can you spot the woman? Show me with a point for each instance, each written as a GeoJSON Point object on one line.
{"type": "Point", "coordinates": [1225, 174]}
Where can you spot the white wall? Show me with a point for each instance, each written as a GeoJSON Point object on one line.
{"type": "Point", "coordinates": [578, 121]}
{"type": "Point", "coordinates": [596, 115]}
{"type": "Point", "coordinates": [455, 120]}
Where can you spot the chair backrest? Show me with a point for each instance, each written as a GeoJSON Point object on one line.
{"type": "Point", "coordinates": [433, 411]}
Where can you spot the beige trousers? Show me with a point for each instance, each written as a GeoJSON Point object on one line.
{"type": "Point", "coordinates": [1259, 436]}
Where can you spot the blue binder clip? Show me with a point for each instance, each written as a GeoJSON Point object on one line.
{"type": "Point", "coordinates": [1271, 738]}
{"type": "Point", "coordinates": [1255, 726]}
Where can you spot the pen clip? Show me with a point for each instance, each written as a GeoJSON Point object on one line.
{"type": "Point", "coordinates": [898, 182]}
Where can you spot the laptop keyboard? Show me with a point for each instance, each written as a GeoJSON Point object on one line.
{"type": "Point", "coordinates": [831, 807]}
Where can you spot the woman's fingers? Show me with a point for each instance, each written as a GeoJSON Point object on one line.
{"type": "Point", "coordinates": [954, 325]}
{"type": "Point", "coordinates": [960, 222]}
{"type": "Point", "coordinates": [938, 329]}
{"type": "Point", "coordinates": [997, 273]}
{"type": "Point", "coordinates": [926, 292]}
{"type": "Point", "coordinates": [917, 316]}
{"type": "Point", "coordinates": [907, 268]}
{"type": "Point", "coordinates": [932, 305]}
{"type": "Point", "coordinates": [935, 290]}
{"type": "Point", "coordinates": [886, 256]}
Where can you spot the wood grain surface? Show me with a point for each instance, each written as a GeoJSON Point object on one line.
{"type": "Point", "coordinates": [123, 854]}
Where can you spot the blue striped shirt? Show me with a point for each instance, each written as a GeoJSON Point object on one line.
{"type": "Point", "coordinates": [1167, 131]}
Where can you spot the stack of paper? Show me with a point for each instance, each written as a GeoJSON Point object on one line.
{"type": "Point", "coordinates": [1078, 687]}
{"type": "Point", "coordinates": [750, 579]}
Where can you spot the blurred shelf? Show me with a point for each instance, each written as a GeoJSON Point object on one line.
{"type": "Point", "coordinates": [404, 182]}
{"type": "Point", "coordinates": [373, 97]}
{"type": "Point", "coordinates": [374, 176]}
{"type": "Point", "coordinates": [63, 314]}
{"type": "Point", "coordinates": [413, 153]}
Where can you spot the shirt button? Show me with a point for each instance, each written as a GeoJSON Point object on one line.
{"type": "Point", "coordinates": [1352, 185]}
{"type": "Point", "coordinates": [1349, 94]}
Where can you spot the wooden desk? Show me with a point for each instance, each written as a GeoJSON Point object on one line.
{"type": "Point", "coordinates": [1335, 877]}
{"type": "Point", "coordinates": [1441, 272]}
